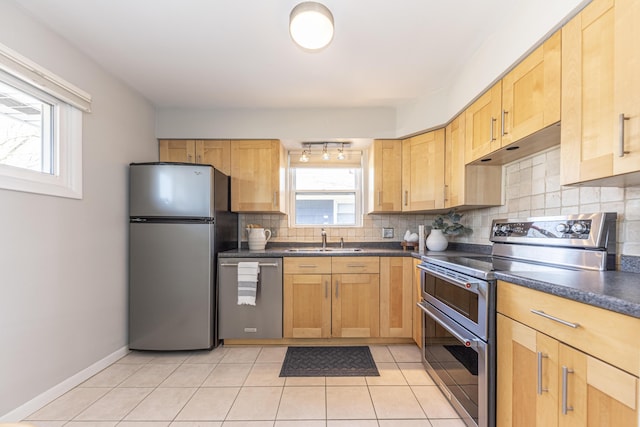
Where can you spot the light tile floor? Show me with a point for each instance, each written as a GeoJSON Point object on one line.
{"type": "Point", "coordinates": [241, 387]}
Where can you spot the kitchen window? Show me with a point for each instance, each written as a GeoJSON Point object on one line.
{"type": "Point", "coordinates": [40, 129]}
{"type": "Point", "coordinates": [326, 195]}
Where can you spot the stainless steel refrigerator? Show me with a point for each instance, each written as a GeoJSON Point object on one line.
{"type": "Point", "coordinates": [179, 221]}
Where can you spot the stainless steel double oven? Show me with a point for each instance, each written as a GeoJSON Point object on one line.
{"type": "Point", "coordinates": [459, 298]}
{"type": "Point", "coordinates": [459, 339]}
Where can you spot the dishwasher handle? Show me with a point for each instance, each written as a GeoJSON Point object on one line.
{"type": "Point", "coordinates": [261, 264]}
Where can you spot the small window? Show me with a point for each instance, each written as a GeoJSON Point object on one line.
{"type": "Point", "coordinates": [26, 133]}
{"type": "Point", "coordinates": [40, 129]}
{"type": "Point", "coordinates": [326, 196]}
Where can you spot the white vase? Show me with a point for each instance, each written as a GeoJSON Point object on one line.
{"type": "Point", "coordinates": [437, 241]}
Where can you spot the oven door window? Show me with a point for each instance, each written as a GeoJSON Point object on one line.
{"type": "Point", "coordinates": [461, 300]}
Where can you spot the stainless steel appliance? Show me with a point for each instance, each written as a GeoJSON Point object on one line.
{"type": "Point", "coordinates": [459, 296]}
{"type": "Point", "coordinates": [263, 320]}
{"type": "Point", "coordinates": [179, 221]}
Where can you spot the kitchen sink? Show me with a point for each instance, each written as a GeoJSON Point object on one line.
{"type": "Point", "coordinates": [316, 250]}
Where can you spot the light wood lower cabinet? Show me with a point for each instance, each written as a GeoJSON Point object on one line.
{"type": "Point", "coordinates": [331, 297]}
{"type": "Point", "coordinates": [543, 381]}
{"type": "Point", "coordinates": [307, 297]}
{"type": "Point", "coordinates": [396, 297]}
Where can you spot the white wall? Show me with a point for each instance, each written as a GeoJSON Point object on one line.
{"type": "Point", "coordinates": [63, 262]}
{"type": "Point", "coordinates": [531, 22]}
{"type": "Point", "coordinates": [311, 123]}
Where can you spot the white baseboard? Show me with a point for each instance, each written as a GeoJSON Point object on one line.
{"type": "Point", "coordinates": [58, 390]}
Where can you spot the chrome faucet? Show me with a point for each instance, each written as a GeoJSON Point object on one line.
{"type": "Point", "coordinates": [323, 233]}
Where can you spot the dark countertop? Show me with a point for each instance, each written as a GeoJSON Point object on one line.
{"type": "Point", "coordinates": [279, 249]}
{"type": "Point", "coordinates": [612, 290]}
{"type": "Point", "coordinates": [282, 252]}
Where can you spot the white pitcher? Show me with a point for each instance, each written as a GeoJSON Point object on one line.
{"type": "Point", "coordinates": [258, 238]}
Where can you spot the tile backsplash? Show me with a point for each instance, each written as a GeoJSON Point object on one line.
{"type": "Point", "coordinates": [532, 188]}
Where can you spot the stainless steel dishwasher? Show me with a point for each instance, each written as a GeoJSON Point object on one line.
{"type": "Point", "coordinates": [264, 320]}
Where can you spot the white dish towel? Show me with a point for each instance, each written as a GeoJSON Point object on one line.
{"type": "Point", "coordinates": [247, 282]}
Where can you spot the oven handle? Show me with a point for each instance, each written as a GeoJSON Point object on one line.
{"type": "Point", "coordinates": [466, 285]}
{"type": "Point", "coordinates": [468, 342]}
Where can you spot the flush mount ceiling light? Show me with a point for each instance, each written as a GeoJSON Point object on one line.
{"type": "Point", "coordinates": [311, 25]}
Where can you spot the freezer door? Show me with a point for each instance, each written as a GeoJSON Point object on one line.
{"type": "Point", "coordinates": [171, 190]}
{"type": "Point", "coordinates": [171, 286]}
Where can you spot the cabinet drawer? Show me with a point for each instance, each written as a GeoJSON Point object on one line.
{"type": "Point", "coordinates": [607, 335]}
{"type": "Point", "coordinates": [307, 265]}
{"type": "Point", "coordinates": [346, 265]}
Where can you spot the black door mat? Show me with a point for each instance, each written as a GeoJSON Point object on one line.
{"type": "Point", "coordinates": [329, 362]}
{"type": "Point", "coordinates": [467, 356]}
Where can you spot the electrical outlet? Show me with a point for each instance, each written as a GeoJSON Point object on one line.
{"type": "Point", "coordinates": [387, 233]}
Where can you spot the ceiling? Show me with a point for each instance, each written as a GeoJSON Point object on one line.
{"type": "Point", "coordinates": [238, 53]}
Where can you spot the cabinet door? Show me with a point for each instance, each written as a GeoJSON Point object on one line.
{"type": "Point", "coordinates": [257, 173]}
{"type": "Point", "coordinates": [531, 92]}
{"type": "Point", "coordinates": [385, 172]}
{"type": "Point", "coordinates": [600, 89]}
{"type": "Point", "coordinates": [396, 297]}
{"type": "Point", "coordinates": [627, 86]}
{"type": "Point", "coordinates": [423, 172]}
{"type": "Point", "coordinates": [355, 306]}
{"type": "Point", "coordinates": [417, 297]}
{"type": "Point", "coordinates": [307, 306]}
{"type": "Point", "coordinates": [588, 116]}
{"type": "Point", "coordinates": [468, 185]}
{"type": "Point", "coordinates": [527, 382]}
{"type": "Point", "coordinates": [483, 124]}
{"type": "Point", "coordinates": [216, 153]}
{"type": "Point", "coordinates": [594, 393]}
{"type": "Point", "coordinates": [177, 150]}
{"type": "Point", "coordinates": [454, 176]}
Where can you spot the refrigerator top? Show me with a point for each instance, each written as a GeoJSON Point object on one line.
{"type": "Point", "coordinates": [169, 164]}
{"type": "Point", "coordinates": [165, 190]}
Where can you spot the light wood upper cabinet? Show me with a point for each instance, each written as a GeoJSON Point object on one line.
{"type": "Point", "coordinates": [423, 172]}
{"type": "Point", "coordinates": [600, 92]}
{"type": "Point", "coordinates": [177, 150]}
{"type": "Point", "coordinates": [214, 152]}
{"type": "Point", "coordinates": [257, 176]}
{"type": "Point", "coordinates": [515, 109]}
{"type": "Point", "coordinates": [483, 124]}
{"type": "Point", "coordinates": [542, 360]}
{"type": "Point", "coordinates": [396, 297]}
{"type": "Point", "coordinates": [467, 185]}
{"type": "Point", "coordinates": [385, 176]}
{"type": "Point", "coordinates": [531, 92]}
